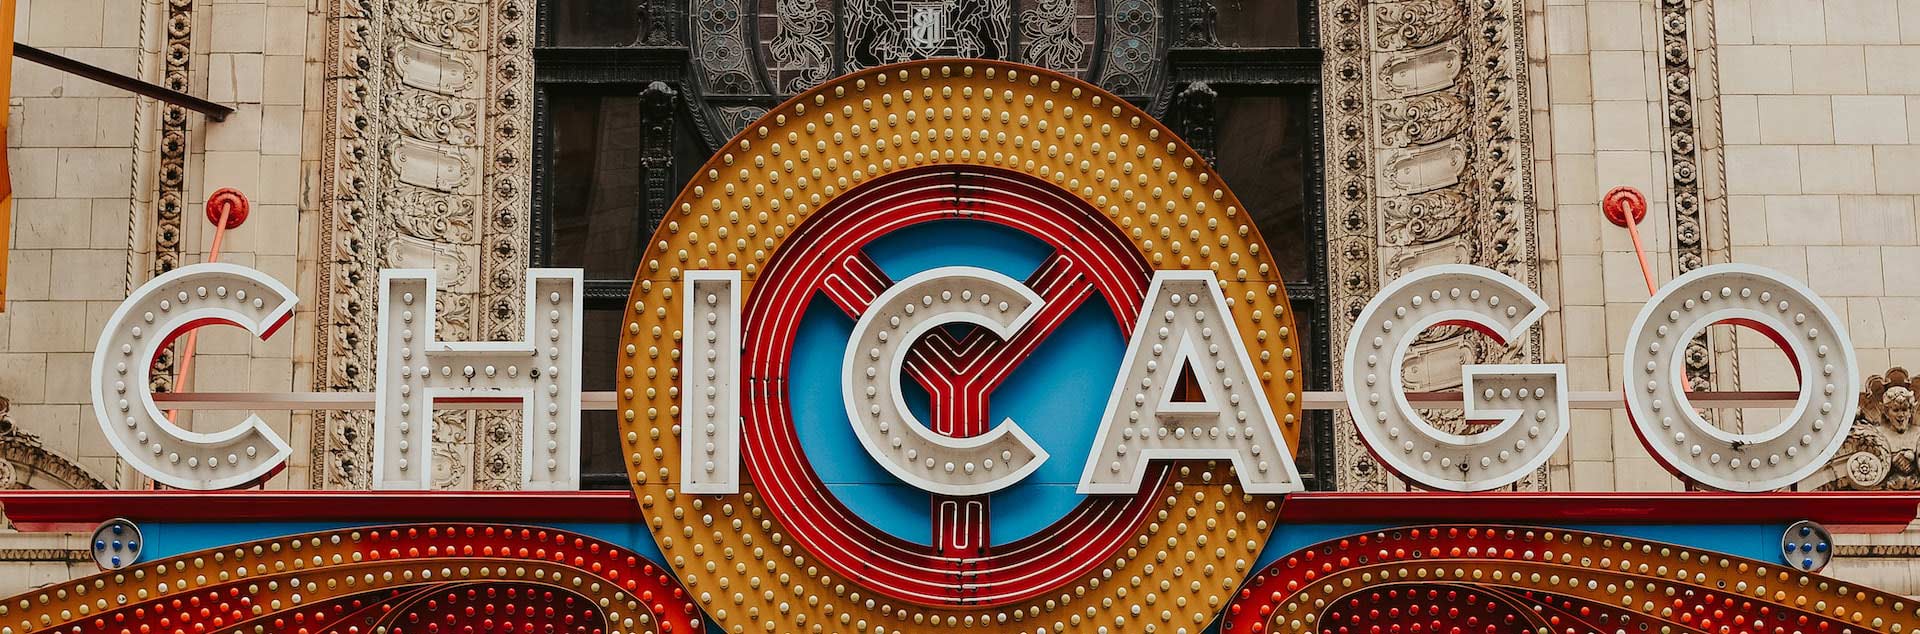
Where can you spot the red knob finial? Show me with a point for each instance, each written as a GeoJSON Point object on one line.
{"type": "Point", "coordinates": [231, 201]}
{"type": "Point", "coordinates": [1621, 201]}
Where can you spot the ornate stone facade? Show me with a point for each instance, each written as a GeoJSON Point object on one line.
{"type": "Point", "coordinates": [171, 199]}
{"type": "Point", "coordinates": [1429, 161]}
{"type": "Point", "coordinates": [1683, 162]}
{"type": "Point", "coordinates": [741, 69]}
{"type": "Point", "coordinates": [428, 124]}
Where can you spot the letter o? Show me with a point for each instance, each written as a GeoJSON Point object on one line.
{"type": "Point", "coordinates": [1806, 329]}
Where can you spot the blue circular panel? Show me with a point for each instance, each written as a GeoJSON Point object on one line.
{"type": "Point", "coordinates": [1057, 394]}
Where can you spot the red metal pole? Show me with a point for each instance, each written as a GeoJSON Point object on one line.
{"type": "Point", "coordinates": [227, 208]}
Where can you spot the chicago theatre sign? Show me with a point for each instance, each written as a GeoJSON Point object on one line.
{"type": "Point", "coordinates": [970, 346]}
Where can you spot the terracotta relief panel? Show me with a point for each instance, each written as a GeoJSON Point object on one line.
{"type": "Point", "coordinates": [427, 123]}
{"type": "Point", "coordinates": [1427, 144]}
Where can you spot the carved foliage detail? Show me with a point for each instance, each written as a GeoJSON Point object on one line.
{"type": "Point", "coordinates": [1421, 120]}
{"type": "Point", "coordinates": [426, 128]}
{"type": "Point", "coordinates": [1425, 218]}
{"type": "Point", "coordinates": [446, 23]}
{"type": "Point", "coordinates": [1416, 24]}
{"type": "Point", "coordinates": [1427, 144]}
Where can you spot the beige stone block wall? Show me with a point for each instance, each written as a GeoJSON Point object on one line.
{"type": "Point", "coordinates": [85, 164]}
{"type": "Point", "coordinates": [82, 177]}
{"type": "Point", "coordinates": [84, 160]}
{"type": "Point", "coordinates": [1605, 101]}
{"type": "Point", "coordinates": [1821, 109]}
{"type": "Point", "coordinates": [74, 148]}
{"type": "Point", "coordinates": [262, 58]}
{"type": "Point", "coordinates": [1806, 120]}
{"type": "Point", "coordinates": [1809, 133]}
{"type": "Point", "coordinates": [1819, 101]}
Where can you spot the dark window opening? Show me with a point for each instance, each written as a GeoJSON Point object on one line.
{"type": "Point", "coordinates": [1250, 23]}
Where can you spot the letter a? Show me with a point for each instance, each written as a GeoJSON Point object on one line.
{"type": "Point", "coordinates": [1185, 326]}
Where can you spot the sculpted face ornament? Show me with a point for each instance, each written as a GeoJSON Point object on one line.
{"type": "Point", "coordinates": [1897, 403]}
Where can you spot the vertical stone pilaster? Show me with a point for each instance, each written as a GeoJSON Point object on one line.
{"type": "Point", "coordinates": [1429, 151]}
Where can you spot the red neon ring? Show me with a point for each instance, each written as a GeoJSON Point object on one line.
{"type": "Point", "coordinates": [819, 251]}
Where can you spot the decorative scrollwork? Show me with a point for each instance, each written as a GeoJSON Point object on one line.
{"type": "Point", "coordinates": [446, 23]}
{"type": "Point", "coordinates": [1417, 23]}
{"type": "Point", "coordinates": [435, 118]}
{"type": "Point", "coordinates": [1049, 36]}
{"type": "Point", "coordinates": [427, 129]}
{"type": "Point", "coordinates": [801, 48]}
{"type": "Point", "coordinates": [1425, 218]}
{"type": "Point", "coordinates": [452, 449]}
{"type": "Point", "coordinates": [1428, 118]}
{"type": "Point", "coordinates": [431, 215]}
{"type": "Point", "coordinates": [350, 253]}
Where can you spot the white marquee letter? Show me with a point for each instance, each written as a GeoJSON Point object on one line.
{"type": "Point", "coordinates": [1185, 324]}
{"type": "Point", "coordinates": [152, 316]}
{"type": "Point", "coordinates": [875, 367]}
{"type": "Point", "coordinates": [1528, 400]}
{"type": "Point", "coordinates": [415, 368]}
{"type": "Point", "coordinates": [1777, 306]}
{"type": "Point", "coordinates": [710, 372]}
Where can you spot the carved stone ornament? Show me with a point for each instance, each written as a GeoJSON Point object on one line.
{"type": "Point", "coordinates": [1428, 162]}
{"type": "Point", "coordinates": [762, 51]}
{"type": "Point", "coordinates": [171, 194]}
{"type": "Point", "coordinates": [1882, 450]}
{"type": "Point", "coordinates": [428, 121]}
{"type": "Point", "coordinates": [26, 463]}
{"type": "Point", "coordinates": [1677, 67]}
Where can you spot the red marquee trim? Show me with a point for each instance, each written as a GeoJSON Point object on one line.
{"type": "Point", "coordinates": [401, 579]}
{"type": "Point", "coordinates": [1553, 579]}
{"type": "Point", "coordinates": [1841, 511]}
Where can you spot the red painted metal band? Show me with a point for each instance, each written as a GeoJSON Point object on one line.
{"type": "Point", "coordinates": [1839, 510]}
